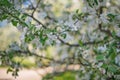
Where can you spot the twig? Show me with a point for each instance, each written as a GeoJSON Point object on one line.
{"type": "Point", "coordinates": [36, 20]}
{"type": "Point", "coordinates": [108, 32]}
{"type": "Point", "coordinates": [35, 7]}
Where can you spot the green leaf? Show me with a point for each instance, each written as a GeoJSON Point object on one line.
{"type": "Point", "coordinates": [63, 35]}
{"type": "Point", "coordinates": [105, 66]}
{"type": "Point", "coordinates": [3, 17]}
{"type": "Point", "coordinates": [41, 33]}
{"type": "Point", "coordinates": [111, 17]}
{"type": "Point", "coordinates": [42, 37]}
{"type": "Point", "coordinates": [32, 37]}
{"type": "Point", "coordinates": [77, 11]}
{"type": "Point", "coordinates": [29, 38]}
{"type": "Point", "coordinates": [53, 43]}
{"type": "Point", "coordinates": [114, 34]}
{"type": "Point", "coordinates": [112, 56]}
{"type": "Point", "coordinates": [100, 57]}
{"type": "Point", "coordinates": [90, 5]}
{"type": "Point", "coordinates": [5, 3]}
{"type": "Point", "coordinates": [14, 22]}
{"type": "Point", "coordinates": [112, 68]}
{"type": "Point", "coordinates": [106, 38]}
{"type": "Point", "coordinates": [88, 0]}
{"type": "Point", "coordinates": [80, 43]}
{"type": "Point", "coordinates": [9, 70]}
{"type": "Point", "coordinates": [23, 17]}
{"type": "Point", "coordinates": [74, 17]}
{"type": "Point", "coordinates": [81, 15]}
{"type": "Point", "coordinates": [97, 51]}
{"type": "Point", "coordinates": [96, 1]}
{"type": "Point", "coordinates": [43, 40]}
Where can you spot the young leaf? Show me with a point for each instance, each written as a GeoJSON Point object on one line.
{"type": "Point", "coordinates": [112, 68]}
{"type": "Point", "coordinates": [96, 2]}
{"type": "Point", "coordinates": [100, 57]}
{"type": "Point", "coordinates": [14, 22]}
{"type": "Point", "coordinates": [80, 43]}
{"type": "Point", "coordinates": [63, 35]}
{"type": "Point", "coordinates": [9, 70]}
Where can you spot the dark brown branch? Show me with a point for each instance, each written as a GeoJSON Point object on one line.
{"type": "Point", "coordinates": [40, 23]}
{"type": "Point", "coordinates": [62, 41]}
{"type": "Point", "coordinates": [70, 59]}
{"type": "Point", "coordinates": [75, 45]}
{"type": "Point", "coordinates": [100, 25]}
{"type": "Point", "coordinates": [47, 58]}
{"type": "Point", "coordinates": [105, 31]}
{"type": "Point", "coordinates": [78, 45]}
{"type": "Point", "coordinates": [20, 51]}
{"type": "Point", "coordinates": [108, 32]}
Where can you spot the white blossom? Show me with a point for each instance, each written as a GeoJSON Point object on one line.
{"type": "Point", "coordinates": [34, 2]}
{"type": "Point", "coordinates": [118, 17]}
{"type": "Point", "coordinates": [51, 36]}
{"type": "Point", "coordinates": [64, 55]}
{"type": "Point", "coordinates": [15, 47]}
{"type": "Point", "coordinates": [72, 24]}
{"type": "Point", "coordinates": [99, 64]}
{"type": "Point", "coordinates": [103, 3]}
{"type": "Point", "coordinates": [42, 15]}
{"type": "Point", "coordinates": [118, 34]}
{"type": "Point", "coordinates": [26, 4]}
{"type": "Point", "coordinates": [102, 70]}
{"type": "Point", "coordinates": [103, 18]}
{"type": "Point", "coordinates": [17, 4]}
{"type": "Point", "coordinates": [38, 27]}
{"type": "Point", "coordinates": [117, 59]}
{"type": "Point", "coordinates": [108, 4]}
{"type": "Point", "coordinates": [22, 36]}
{"type": "Point", "coordinates": [118, 50]}
{"type": "Point", "coordinates": [102, 48]}
{"type": "Point", "coordinates": [28, 20]}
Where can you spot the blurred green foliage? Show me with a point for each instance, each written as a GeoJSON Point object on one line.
{"type": "Point", "coordinates": [68, 75]}
{"type": "Point", "coordinates": [25, 62]}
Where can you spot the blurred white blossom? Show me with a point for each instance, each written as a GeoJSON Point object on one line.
{"type": "Point", "coordinates": [73, 24]}
{"type": "Point", "coordinates": [118, 34]}
{"type": "Point", "coordinates": [64, 55]}
{"type": "Point", "coordinates": [15, 47]}
{"type": "Point", "coordinates": [102, 48]}
{"type": "Point", "coordinates": [42, 15]}
{"type": "Point", "coordinates": [22, 36]}
{"type": "Point", "coordinates": [117, 59]}
{"type": "Point", "coordinates": [103, 18]}
{"type": "Point", "coordinates": [26, 4]}
{"type": "Point", "coordinates": [38, 27]}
